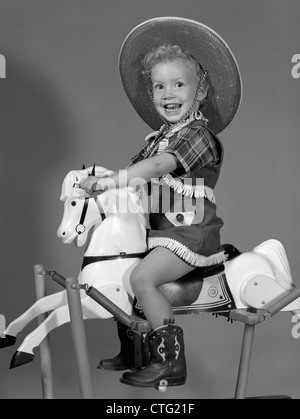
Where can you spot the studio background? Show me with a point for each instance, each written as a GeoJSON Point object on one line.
{"type": "Point", "coordinates": [62, 104]}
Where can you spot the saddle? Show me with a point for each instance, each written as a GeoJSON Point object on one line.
{"type": "Point", "coordinates": [186, 290]}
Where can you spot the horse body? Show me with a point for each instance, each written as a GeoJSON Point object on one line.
{"type": "Point", "coordinates": [112, 225]}
{"type": "Point", "coordinates": [253, 280]}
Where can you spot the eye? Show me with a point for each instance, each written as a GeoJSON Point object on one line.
{"type": "Point", "coordinates": [73, 203]}
{"type": "Point", "coordinates": [179, 84]}
{"type": "Point", "coordinates": [158, 87]}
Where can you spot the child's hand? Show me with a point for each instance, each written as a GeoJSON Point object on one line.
{"type": "Point", "coordinates": [89, 185]}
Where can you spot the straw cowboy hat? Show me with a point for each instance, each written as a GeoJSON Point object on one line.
{"type": "Point", "coordinates": [205, 45]}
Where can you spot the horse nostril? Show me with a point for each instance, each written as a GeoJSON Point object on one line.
{"type": "Point", "coordinates": [63, 233]}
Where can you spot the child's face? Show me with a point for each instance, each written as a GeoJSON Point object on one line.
{"type": "Point", "coordinates": [174, 86]}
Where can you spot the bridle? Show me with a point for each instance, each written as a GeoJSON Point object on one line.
{"type": "Point", "coordinates": [80, 228]}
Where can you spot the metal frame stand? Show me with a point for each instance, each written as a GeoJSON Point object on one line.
{"type": "Point", "coordinates": [45, 353]}
{"type": "Point", "coordinates": [251, 319]}
{"type": "Point", "coordinates": [140, 326]}
{"type": "Point", "coordinates": [79, 338]}
{"type": "Point", "coordinates": [247, 344]}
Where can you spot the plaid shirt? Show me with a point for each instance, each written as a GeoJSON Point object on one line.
{"type": "Point", "coordinates": [193, 147]}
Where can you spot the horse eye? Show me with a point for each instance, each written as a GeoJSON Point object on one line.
{"type": "Point", "coordinates": [73, 203]}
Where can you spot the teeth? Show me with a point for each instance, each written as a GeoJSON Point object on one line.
{"type": "Point", "coordinates": [172, 106]}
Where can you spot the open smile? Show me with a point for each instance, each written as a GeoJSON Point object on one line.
{"type": "Point", "coordinates": [172, 107]}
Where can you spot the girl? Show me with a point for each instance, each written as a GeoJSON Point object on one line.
{"type": "Point", "coordinates": [183, 80]}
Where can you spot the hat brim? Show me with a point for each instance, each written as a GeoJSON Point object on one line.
{"type": "Point", "coordinates": [205, 45]}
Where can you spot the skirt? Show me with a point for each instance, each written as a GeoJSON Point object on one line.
{"type": "Point", "coordinates": [196, 244]}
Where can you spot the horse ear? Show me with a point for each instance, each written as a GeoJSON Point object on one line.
{"type": "Point", "coordinates": [76, 184]}
{"type": "Point", "coordinates": [93, 173]}
{"type": "Point", "coordinates": [83, 166]}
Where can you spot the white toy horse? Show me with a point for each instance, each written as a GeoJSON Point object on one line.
{"type": "Point", "coordinates": [116, 242]}
{"type": "Point", "coordinates": [112, 234]}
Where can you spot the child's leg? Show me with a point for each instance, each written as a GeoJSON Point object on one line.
{"type": "Point", "coordinates": [157, 268]}
{"type": "Point", "coordinates": [166, 344]}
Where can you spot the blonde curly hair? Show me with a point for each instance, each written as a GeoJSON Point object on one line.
{"type": "Point", "coordinates": [171, 53]}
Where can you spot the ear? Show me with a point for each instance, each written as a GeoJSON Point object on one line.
{"type": "Point", "coordinates": [201, 94]}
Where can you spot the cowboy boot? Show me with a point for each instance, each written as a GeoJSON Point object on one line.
{"type": "Point", "coordinates": [167, 360]}
{"type": "Point", "coordinates": [125, 359]}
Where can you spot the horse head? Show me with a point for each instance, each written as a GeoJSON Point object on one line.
{"type": "Point", "coordinates": [80, 212]}
{"type": "Point", "coordinates": [70, 186]}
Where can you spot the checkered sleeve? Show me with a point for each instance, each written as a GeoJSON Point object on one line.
{"type": "Point", "coordinates": [144, 152]}
{"type": "Point", "coordinates": [194, 148]}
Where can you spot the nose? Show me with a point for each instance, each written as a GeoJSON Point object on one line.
{"type": "Point", "coordinates": [61, 232]}
{"type": "Point", "coordinates": [168, 93]}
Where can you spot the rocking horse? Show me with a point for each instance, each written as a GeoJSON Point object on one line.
{"type": "Point", "coordinates": [104, 272]}
{"type": "Point", "coordinates": [257, 282]}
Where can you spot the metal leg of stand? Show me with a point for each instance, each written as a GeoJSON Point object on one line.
{"type": "Point", "coordinates": [245, 359]}
{"type": "Point", "coordinates": [79, 338]}
{"type": "Point", "coordinates": [45, 354]}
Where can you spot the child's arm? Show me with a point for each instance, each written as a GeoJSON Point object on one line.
{"type": "Point", "coordinates": [143, 172]}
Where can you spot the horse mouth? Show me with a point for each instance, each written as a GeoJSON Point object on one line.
{"type": "Point", "coordinates": [66, 238]}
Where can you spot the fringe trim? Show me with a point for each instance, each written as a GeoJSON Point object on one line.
{"type": "Point", "coordinates": [152, 135]}
{"type": "Point", "coordinates": [162, 145]}
{"type": "Point", "coordinates": [194, 116]}
{"type": "Point", "coordinates": [185, 253]}
{"type": "Point", "coordinates": [173, 128]}
{"type": "Point", "coordinates": [197, 191]}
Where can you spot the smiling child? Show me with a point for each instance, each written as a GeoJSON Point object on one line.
{"type": "Point", "coordinates": [183, 81]}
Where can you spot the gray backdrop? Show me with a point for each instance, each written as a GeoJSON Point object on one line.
{"type": "Point", "coordinates": [62, 104]}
